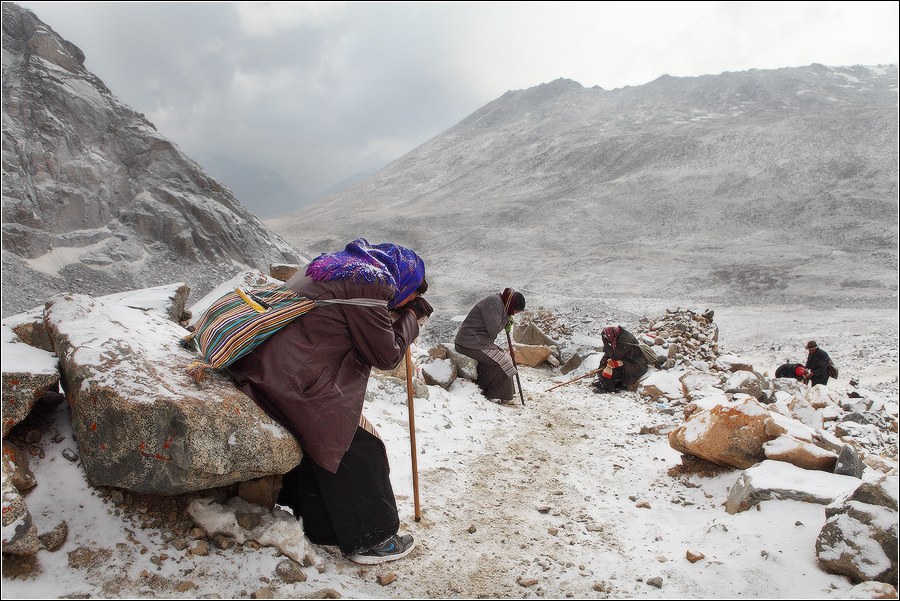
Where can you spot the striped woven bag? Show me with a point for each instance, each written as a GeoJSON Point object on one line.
{"type": "Point", "coordinates": [241, 320]}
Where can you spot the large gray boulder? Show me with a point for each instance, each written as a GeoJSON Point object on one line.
{"type": "Point", "coordinates": [859, 538]}
{"type": "Point", "coordinates": [142, 424]}
{"type": "Point", "coordinates": [771, 480]}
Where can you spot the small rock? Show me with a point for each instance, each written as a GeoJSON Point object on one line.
{"type": "Point", "coordinates": [643, 505]}
{"type": "Point", "coordinates": [201, 549]}
{"type": "Point", "coordinates": [53, 540]}
{"type": "Point", "coordinates": [694, 556]}
{"type": "Point", "coordinates": [386, 579]}
{"type": "Point", "coordinates": [656, 581]}
{"type": "Point", "coordinates": [473, 529]}
{"type": "Point", "coordinates": [527, 582]}
{"type": "Point", "coordinates": [543, 509]}
{"type": "Point", "coordinates": [180, 544]}
{"type": "Point", "coordinates": [185, 586]}
{"type": "Point", "coordinates": [70, 455]}
{"type": "Point", "coordinates": [248, 521]}
{"type": "Point", "coordinates": [289, 571]}
{"type": "Point", "coordinates": [263, 593]}
{"type": "Point", "coordinates": [325, 593]}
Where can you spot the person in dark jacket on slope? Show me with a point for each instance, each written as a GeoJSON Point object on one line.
{"type": "Point", "coordinates": [791, 370]}
{"type": "Point", "coordinates": [476, 337]}
{"type": "Point", "coordinates": [623, 362]}
{"type": "Point", "coordinates": [311, 376]}
{"type": "Point", "coordinates": [817, 363]}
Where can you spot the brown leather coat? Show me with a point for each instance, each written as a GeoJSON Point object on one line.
{"type": "Point", "coordinates": [311, 375]}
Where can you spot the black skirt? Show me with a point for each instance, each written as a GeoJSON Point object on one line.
{"type": "Point", "coordinates": [353, 509]}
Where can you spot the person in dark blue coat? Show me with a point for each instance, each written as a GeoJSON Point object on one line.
{"type": "Point", "coordinates": [817, 363]}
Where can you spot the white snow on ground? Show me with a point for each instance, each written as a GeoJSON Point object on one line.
{"type": "Point", "coordinates": [561, 497]}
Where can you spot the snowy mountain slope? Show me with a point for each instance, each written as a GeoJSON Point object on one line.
{"type": "Point", "coordinates": [762, 186]}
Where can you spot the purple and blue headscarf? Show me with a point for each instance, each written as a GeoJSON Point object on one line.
{"type": "Point", "coordinates": [366, 263]}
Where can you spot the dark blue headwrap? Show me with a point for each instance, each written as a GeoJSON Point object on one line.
{"type": "Point", "coordinates": [365, 263]}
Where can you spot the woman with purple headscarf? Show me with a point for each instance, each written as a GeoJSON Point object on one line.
{"type": "Point", "coordinates": [311, 377]}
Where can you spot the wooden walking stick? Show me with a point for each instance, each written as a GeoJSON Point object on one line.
{"type": "Point", "coordinates": [412, 431]}
{"type": "Point", "coordinates": [575, 380]}
{"type": "Point", "coordinates": [512, 355]}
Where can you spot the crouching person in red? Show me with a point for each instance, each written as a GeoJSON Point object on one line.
{"type": "Point", "coordinates": [311, 376]}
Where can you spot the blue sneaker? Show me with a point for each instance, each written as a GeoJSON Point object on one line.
{"type": "Point", "coordinates": [396, 547]}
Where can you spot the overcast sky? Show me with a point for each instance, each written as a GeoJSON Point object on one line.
{"type": "Point", "coordinates": [311, 88]}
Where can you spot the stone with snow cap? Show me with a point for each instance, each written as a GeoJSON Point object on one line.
{"type": "Point", "coordinates": [28, 373]}
{"type": "Point", "coordinates": [800, 453]}
{"type": "Point", "coordinates": [779, 480]}
{"type": "Point", "coordinates": [729, 434]}
{"type": "Point", "coordinates": [661, 385]}
{"type": "Point", "coordinates": [440, 372]}
{"type": "Point", "coordinates": [859, 538]}
{"type": "Point", "coordinates": [142, 424]}
{"type": "Point", "coordinates": [732, 363]}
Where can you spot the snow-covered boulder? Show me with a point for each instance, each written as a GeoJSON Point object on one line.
{"type": "Point", "coordinates": [695, 381]}
{"type": "Point", "coordinates": [821, 396]}
{"type": "Point", "coordinates": [790, 386]}
{"type": "Point", "coordinates": [800, 453]}
{"type": "Point", "coordinates": [871, 590]}
{"type": "Point", "coordinates": [859, 538]}
{"type": "Point", "coordinates": [729, 434]}
{"type": "Point", "coordinates": [732, 363]}
{"type": "Point", "coordinates": [466, 367]}
{"type": "Point", "coordinates": [661, 384]}
{"type": "Point", "coordinates": [780, 480]}
{"type": "Point", "coordinates": [801, 409]}
{"type": "Point", "coordinates": [440, 372]}
{"type": "Point", "coordinates": [142, 424]}
{"type": "Point", "coordinates": [28, 373]}
{"type": "Point", "coordinates": [745, 382]}
{"type": "Point", "coordinates": [168, 301]}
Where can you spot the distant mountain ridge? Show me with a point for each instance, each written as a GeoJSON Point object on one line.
{"type": "Point", "coordinates": [259, 188]}
{"type": "Point", "coordinates": [94, 199]}
{"type": "Point", "coordinates": [757, 186]}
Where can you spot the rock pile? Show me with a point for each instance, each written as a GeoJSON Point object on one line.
{"type": "Point", "coordinates": [688, 338]}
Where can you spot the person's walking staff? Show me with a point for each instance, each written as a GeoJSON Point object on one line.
{"type": "Point", "coordinates": [412, 432]}
{"type": "Point", "coordinates": [575, 380]}
{"type": "Point", "coordinates": [512, 355]}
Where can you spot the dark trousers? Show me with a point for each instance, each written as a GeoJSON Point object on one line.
{"type": "Point", "coordinates": [354, 508]}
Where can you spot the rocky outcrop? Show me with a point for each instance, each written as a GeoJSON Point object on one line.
{"type": "Point", "coordinates": [141, 422]}
{"type": "Point", "coordinates": [859, 538]}
{"type": "Point", "coordinates": [91, 184]}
